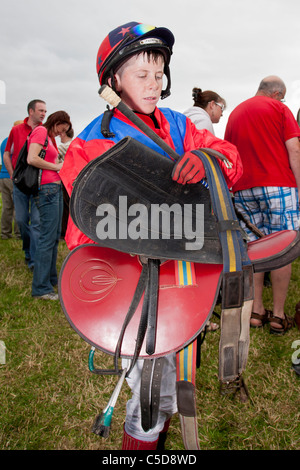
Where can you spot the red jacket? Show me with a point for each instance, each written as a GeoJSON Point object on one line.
{"type": "Point", "coordinates": [174, 128]}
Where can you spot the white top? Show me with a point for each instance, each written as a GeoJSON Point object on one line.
{"type": "Point", "coordinates": [200, 118]}
{"type": "Point", "coordinates": [62, 149]}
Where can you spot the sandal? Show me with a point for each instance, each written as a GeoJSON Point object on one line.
{"type": "Point", "coordinates": [285, 323]}
{"type": "Point", "coordinates": [262, 318]}
{"type": "Point", "coordinates": [297, 315]}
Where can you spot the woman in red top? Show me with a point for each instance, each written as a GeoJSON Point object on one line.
{"type": "Point", "coordinates": [49, 202]}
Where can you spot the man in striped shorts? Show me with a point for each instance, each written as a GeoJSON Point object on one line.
{"type": "Point", "coordinates": [266, 135]}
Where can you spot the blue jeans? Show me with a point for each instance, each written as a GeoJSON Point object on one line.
{"type": "Point", "coordinates": [50, 205]}
{"type": "Point", "coordinates": [28, 220]}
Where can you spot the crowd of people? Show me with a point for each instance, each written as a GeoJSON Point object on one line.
{"type": "Point", "coordinates": [36, 218]}
{"type": "Point", "coordinates": [261, 142]}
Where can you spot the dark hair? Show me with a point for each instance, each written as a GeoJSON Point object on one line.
{"type": "Point", "coordinates": [202, 98]}
{"type": "Point", "coordinates": [70, 133]}
{"type": "Point", "coordinates": [153, 54]}
{"type": "Point", "coordinates": [31, 104]}
{"type": "Point", "coordinates": [59, 117]}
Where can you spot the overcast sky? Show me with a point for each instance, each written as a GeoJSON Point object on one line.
{"type": "Point", "coordinates": [48, 51]}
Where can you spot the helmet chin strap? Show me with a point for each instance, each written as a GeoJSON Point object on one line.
{"type": "Point", "coordinates": [165, 93]}
{"type": "Point", "coordinates": [113, 81]}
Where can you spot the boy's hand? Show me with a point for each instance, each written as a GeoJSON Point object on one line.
{"type": "Point", "coordinates": [189, 169]}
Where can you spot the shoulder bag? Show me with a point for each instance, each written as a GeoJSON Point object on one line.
{"type": "Point", "coordinates": [27, 177]}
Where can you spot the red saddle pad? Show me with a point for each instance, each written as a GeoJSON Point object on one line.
{"type": "Point", "coordinates": [97, 285]}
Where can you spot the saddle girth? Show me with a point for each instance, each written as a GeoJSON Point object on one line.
{"type": "Point", "coordinates": [237, 287]}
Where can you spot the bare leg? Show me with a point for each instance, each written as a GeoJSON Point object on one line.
{"type": "Point", "coordinates": [280, 284]}
{"type": "Point", "coordinates": [258, 306]}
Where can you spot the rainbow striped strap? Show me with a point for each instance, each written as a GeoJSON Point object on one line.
{"type": "Point", "coordinates": [186, 360]}
{"type": "Point", "coordinates": [185, 273]}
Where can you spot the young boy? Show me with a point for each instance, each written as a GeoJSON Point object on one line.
{"type": "Point", "coordinates": [133, 60]}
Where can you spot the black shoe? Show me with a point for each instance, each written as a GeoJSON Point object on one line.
{"type": "Point", "coordinates": [296, 368]}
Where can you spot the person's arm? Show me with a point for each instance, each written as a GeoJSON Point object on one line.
{"type": "Point", "coordinates": [34, 159]}
{"type": "Point", "coordinates": [293, 148]}
{"type": "Point", "coordinates": [7, 163]}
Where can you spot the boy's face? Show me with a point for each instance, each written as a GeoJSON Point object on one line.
{"type": "Point", "coordinates": [139, 82]}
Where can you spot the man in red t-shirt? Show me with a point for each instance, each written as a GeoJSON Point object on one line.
{"type": "Point", "coordinates": [266, 135]}
{"type": "Point", "coordinates": [25, 208]}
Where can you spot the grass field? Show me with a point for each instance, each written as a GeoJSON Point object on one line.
{"type": "Point", "coordinates": [49, 398]}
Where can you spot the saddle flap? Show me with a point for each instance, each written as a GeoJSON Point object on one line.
{"type": "Point", "coordinates": [274, 251]}
{"type": "Point", "coordinates": [126, 200]}
{"type": "Point", "coordinates": [96, 287]}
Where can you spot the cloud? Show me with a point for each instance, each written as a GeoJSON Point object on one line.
{"type": "Point", "coordinates": [48, 50]}
{"type": "Point", "coordinates": [2, 92]}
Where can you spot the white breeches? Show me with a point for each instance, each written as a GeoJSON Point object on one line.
{"type": "Point", "coordinates": [167, 405]}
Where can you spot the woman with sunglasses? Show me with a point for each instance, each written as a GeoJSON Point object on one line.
{"type": "Point", "coordinates": [207, 109]}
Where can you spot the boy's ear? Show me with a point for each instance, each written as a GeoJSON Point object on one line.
{"type": "Point", "coordinates": [117, 82]}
